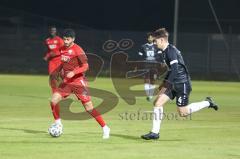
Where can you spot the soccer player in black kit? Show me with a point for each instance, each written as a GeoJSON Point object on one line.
{"type": "Point", "coordinates": [176, 84]}
{"type": "Point", "coordinates": [148, 53]}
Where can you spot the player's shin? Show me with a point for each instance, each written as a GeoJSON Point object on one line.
{"type": "Point", "coordinates": [157, 118]}
{"type": "Point", "coordinates": [194, 107]}
{"type": "Point", "coordinates": [94, 113]}
{"type": "Point", "coordinates": [147, 89]}
{"type": "Point", "coordinates": [151, 91]}
{"type": "Point", "coordinates": [55, 111]}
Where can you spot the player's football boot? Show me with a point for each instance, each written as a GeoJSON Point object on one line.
{"type": "Point", "coordinates": [212, 103]}
{"type": "Point", "coordinates": [106, 132]}
{"type": "Point", "coordinates": [149, 98]}
{"type": "Point", "coordinates": [150, 136]}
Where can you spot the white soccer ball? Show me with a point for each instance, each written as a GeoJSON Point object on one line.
{"type": "Point", "coordinates": [55, 131]}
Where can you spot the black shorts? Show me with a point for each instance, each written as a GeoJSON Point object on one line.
{"type": "Point", "coordinates": [181, 91]}
{"type": "Point", "coordinates": [151, 74]}
{"type": "Point", "coordinates": [152, 71]}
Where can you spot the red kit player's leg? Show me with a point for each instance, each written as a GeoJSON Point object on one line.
{"type": "Point", "coordinates": [55, 110]}
{"type": "Point", "coordinates": [53, 68]}
{"type": "Point", "coordinates": [64, 90]}
{"type": "Point", "coordinates": [82, 92]}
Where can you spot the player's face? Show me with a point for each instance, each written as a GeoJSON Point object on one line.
{"type": "Point", "coordinates": [150, 39]}
{"type": "Point", "coordinates": [160, 43]}
{"type": "Point", "coordinates": [53, 31]}
{"type": "Point", "coordinates": [68, 41]}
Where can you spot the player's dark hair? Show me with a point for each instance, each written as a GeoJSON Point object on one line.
{"type": "Point", "coordinates": [161, 33]}
{"type": "Point", "coordinates": [69, 33]}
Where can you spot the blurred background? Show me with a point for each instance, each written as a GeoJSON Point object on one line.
{"type": "Point", "coordinates": [207, 31]}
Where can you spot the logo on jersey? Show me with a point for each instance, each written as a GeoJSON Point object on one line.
{"type": "Point", "coordinates": [150, 53]}
{"type": "Point", "coordinates": [52, 46]}
{"type": "Point", "coordinates": [70, 52]}
{"type": "Point", "coordinates": [65, 58]}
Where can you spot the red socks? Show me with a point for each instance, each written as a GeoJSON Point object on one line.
{"type": "Point", "coordinates": [55, 111]}
{"type": "Point", "coordinates": [94, 113]}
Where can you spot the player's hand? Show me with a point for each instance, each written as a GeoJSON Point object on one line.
{"type": "Point", "coordinates": [70, 74]}
{"type": "Point", "coordinates": [52, 54]}
{"type": "Point", "coordinates": [45, 58]}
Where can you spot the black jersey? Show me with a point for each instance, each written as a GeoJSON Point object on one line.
{"type": "Point", "coordinates": [178, 72]}
{"type": "Point", "coordinates": [149, 52]}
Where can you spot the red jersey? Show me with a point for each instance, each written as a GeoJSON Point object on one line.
{"type": "Point", "coordinates": [73, 59]}
{"type": "Point", "coordinates": [53, 45]}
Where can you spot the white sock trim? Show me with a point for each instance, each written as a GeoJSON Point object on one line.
{"type": "Point", "coordinates": [105, 128]}
{"type": "Point", "coordinates": [58, 121]}
{"type": "Point", "coordinates": [147, 88]}
{"type": "Point", "coordinates": [151, 90]}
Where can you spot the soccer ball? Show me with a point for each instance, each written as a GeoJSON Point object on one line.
{"type": "Point", "coordinates": [55, 131]}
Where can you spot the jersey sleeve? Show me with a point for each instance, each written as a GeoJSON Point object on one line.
{"type": "Point", "coordinates": [172, 57]}
{"type": "Point", "coordinates": [141, 52]}
{"type": "Point", "coordinates": [51, 54]}
{"type": "Point", "coordinates": [82, 56]}
{"type": "Point", "coordinates": [61, 43]}
{"type": "Point", "coordinates": [47, 53]}
{"type": "Point", "coordinates": [83, 62]}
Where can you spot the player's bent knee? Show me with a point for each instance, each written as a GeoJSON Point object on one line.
{"type": "Point", "coordinates": [183, 112]}
{"type": "Point", "coordinates": [56, 97]}
{"type": "Point", "coordinates": [88, 106]}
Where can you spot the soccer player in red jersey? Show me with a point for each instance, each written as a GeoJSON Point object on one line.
{"type": "Point", "coordinates": [53, 43]}
{"type": "Point", "coordinates": [74, 66]}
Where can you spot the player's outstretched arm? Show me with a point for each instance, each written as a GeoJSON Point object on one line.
{"type": "Point", "coordinates": [47, 56]}
{"type": "Point", "coordinates": [81, 69]}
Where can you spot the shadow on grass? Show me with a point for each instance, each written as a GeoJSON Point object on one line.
{"type": "Point", "coordinates": [128, 137]}
{"type": "Point", "coordinates": [138, 138]}
{"type": "Point", "coordinates": [123, 136]}
{"type": "Point", "coordinates": [25, 130]}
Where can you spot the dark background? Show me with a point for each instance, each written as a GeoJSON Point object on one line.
{"type": "Point", "coordinates": [210, 45]}
{"type": "Point", "coordinates": [137, 15]}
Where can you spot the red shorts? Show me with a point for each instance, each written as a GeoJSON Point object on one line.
{"type": "Point", "coordinates": [79, 87]}
{"type": "Point", "coordinates": [54, 64]}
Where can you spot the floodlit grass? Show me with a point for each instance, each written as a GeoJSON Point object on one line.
{"type": "Point", "coordinates": [25, 117]}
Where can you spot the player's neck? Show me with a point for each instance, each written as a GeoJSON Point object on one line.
{"type": "Point", "coordinates": [51, 37]}
{"type": "Point", "coordinates": [70, 45]}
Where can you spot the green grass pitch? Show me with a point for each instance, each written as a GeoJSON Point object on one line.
{"type": "Point", "coordinates": [25, 117]}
